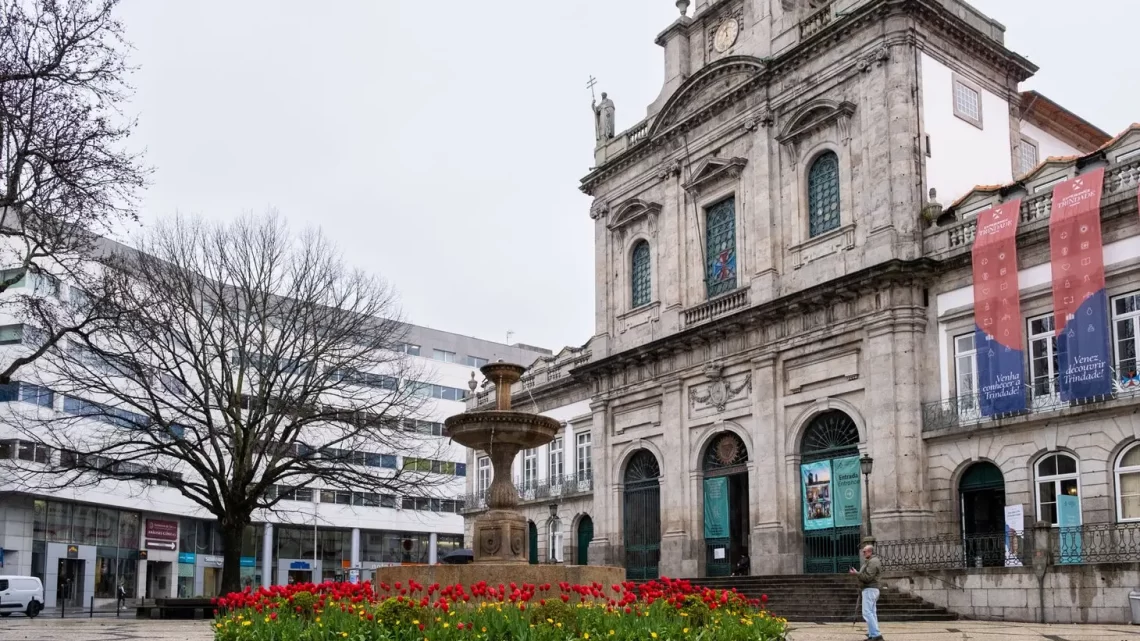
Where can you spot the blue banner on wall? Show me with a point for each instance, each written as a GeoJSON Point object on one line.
{"type": "Point", "coordinates": [248, 562]}
{"type": "Point", "coordinates": [997, 311]}
{"type": "Point", "coordinates": [1079, 299]}
{"type": "Point", "coordinates": [187, 557]}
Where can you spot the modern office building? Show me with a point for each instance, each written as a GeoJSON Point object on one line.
{"type": "Point", "coordinates": [85, 542]}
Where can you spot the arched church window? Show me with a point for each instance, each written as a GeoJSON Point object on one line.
{"type": "Point", "coordinates": [724, 452]}
{"type": "Point", "coordinates": [828, 435]}
{"type": "Point", "coordinates": [720, 247]}
{"type": "Point", "coordinates": [823, 194]}
{"type": "Point", "coordinates": [642, 289]}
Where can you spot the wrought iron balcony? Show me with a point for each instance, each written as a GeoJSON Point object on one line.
{"type": "Point", "coordinates": [549, 489]}
{"type": "Point", "coordinates": [965, 412]}
{"type": "Point", "coordinates": [954, 552]}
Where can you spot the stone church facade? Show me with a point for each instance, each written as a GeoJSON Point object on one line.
{"type": "Point", "coordinates": [778, 287]}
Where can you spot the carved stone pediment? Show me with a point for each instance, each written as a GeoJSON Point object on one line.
{"type": "Point", "coordinates": [814, 116]}
{"type": "Point", "coordinates": [712, 172]}
{"type": "Point", "coordinates": [632, 210]}
{"type": "Point", "coordinates": [720, 390]}
{"type": "Point", "coordinates": [811, 118]}
{"type": "Point", "coordinates": [712, 85]}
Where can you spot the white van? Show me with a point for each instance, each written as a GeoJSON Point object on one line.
{"type": "Point", "coordinates": [21, 594]}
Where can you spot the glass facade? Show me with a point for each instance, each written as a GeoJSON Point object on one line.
{"type": "Point", "coordinates": [114, 533]}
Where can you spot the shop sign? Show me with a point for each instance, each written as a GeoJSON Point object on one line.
{"type": "Point", "coordinates": [248, 562]}
{"type": "Point", "coordinates": [186, 557]}
{"type": "Point", "coordinates": [161, 535]}
{"type": "Point", "coordinates": [213, 561]}
{"type": "Point", "coordinates": [73, 551]}
{"type": "Point", "coordinates": [300, 565]}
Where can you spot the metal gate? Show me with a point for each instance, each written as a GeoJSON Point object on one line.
{"type": "Point", "coordinates": [642, 517]}
{"type": "Point", "coordinates": [831, 435]}
{"type": "Point", "coordinates": [585, 535]}
{"type": "Point", "coordinates": [831, 551]}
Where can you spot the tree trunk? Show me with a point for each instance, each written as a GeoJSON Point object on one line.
{"type": "Point", "coordinates": [232, 531]}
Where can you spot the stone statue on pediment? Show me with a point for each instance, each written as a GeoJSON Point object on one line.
{"type": "Point", "coordinates": [604, 118]}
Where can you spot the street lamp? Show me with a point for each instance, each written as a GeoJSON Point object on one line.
{"type": "Point", "coordinates": [865, 465]}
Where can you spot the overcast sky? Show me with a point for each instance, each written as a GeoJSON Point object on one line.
{"type": "Point", "coordinates": [440, 144]}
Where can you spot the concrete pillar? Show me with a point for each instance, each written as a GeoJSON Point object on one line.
{"type": "Point", "coordinates": [433, 548]}
{"type": "Point", "coordinates": [267, 556]}
{"type": "Point", "coordinates": [354, 555]}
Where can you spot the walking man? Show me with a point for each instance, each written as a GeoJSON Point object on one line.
{"type": "Point", "coordinates": [868, 576]}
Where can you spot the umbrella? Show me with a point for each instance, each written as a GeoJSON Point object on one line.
{"type": "Point", "coordinates": [459, 557]}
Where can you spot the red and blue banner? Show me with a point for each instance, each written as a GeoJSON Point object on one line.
{"type": "Point", "coordinates": [997, 311]}
{"type": "Point", "coordinates": [1079, 299]}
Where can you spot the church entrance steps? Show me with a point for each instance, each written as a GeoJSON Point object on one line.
{"type": "Point", "coordinates": [824, 598]}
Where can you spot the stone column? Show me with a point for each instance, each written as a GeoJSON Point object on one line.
{"type": "Point", "coordinates": [894, 427]}
{"type": "Point", "coordinates": [676, 502]}
{"type": "Point", "coordinates": [605, 526]}
{"type": "Point", "coordinates": [354, 554]}
{"type": "Point", "coordinates": [763, 475]}
{"type": "Point", "coordinates": [266, 556]}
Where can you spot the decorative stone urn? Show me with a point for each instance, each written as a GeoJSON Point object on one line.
{"type": "Point", "coordinates": [501, 532]}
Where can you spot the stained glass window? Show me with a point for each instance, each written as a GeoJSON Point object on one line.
{"type": "Point", "coordinates": [642, 290]}
{"type": "Point", "coordinates": [720, 247]}
{"type": "Point", "coordinates": [823, 194]}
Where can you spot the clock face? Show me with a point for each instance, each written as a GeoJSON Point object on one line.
{"type": "Point", "coordinates": [725, 35]}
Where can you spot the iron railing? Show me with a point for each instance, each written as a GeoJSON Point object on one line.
{"type": "Point", "coordinates": [965, 412]}
{"type": "Point", "coordinates": [539, 490]}
{"type": "Point", "coordinates": [956, 552]}
{"type": "Point", "coordinates": [1096, 543]}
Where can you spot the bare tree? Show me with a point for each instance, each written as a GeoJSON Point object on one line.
{"type": "Point", "coordinates": [65, 175]}
{"type": "Point", "coordinates": [234, 359]}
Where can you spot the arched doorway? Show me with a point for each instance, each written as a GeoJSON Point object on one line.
{"type": "Point", "coordinates": [585, 535]}
{"type": "Point", "coordinates": [532, 542]}
{"type": "Point", "coordinates": [981, 497]}
{"type": "Point", "coordinates": [725, 467]}
{"type": "Point", "coordinates": [830, 493]}
{"type": "Point", "coordinates": [641, 517]}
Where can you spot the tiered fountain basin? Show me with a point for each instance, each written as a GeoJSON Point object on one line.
{"type": "Point", "coordinates": [501, 542]}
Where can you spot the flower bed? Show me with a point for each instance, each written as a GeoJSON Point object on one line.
{"type": "Point", "coordinates": [663, 610]}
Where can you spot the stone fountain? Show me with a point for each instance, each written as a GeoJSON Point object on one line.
{"type": "Point", "coordinates": [501, 542]}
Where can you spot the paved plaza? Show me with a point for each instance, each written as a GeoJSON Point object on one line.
{"type": "Point", "coordinates": [19, 629]}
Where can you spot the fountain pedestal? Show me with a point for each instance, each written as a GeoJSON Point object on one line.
{"type": "Point", "coordinates": [502, 544]}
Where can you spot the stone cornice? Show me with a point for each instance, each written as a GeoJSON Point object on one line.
{"type": "Point", "coordinates": [770, 70]}
{"type": "Point", "coordinates": [894, 271]}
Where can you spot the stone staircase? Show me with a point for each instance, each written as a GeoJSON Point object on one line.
{"type": "Point", "coordinates": [826, 598]}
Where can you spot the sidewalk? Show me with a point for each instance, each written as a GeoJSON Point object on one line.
{"type": "Point", "coordinates": [963, 630]}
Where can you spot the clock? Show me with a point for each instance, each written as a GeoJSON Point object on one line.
{"type": "Point", "coordinates": [725, 35]}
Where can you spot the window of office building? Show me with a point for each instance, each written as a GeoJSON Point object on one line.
{"type": "Point", "coordinates": [476, 362]}
{"type": "Point", "coordinates": [443, 355]}
{"type": "Point", "coordinates": [115, 534]}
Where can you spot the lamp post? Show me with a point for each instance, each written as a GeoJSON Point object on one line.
{"type": "Point", "coordinates": [865, 465]}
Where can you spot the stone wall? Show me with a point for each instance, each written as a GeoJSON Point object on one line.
{"type": "Point", "coordinates": [1072, 594]}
